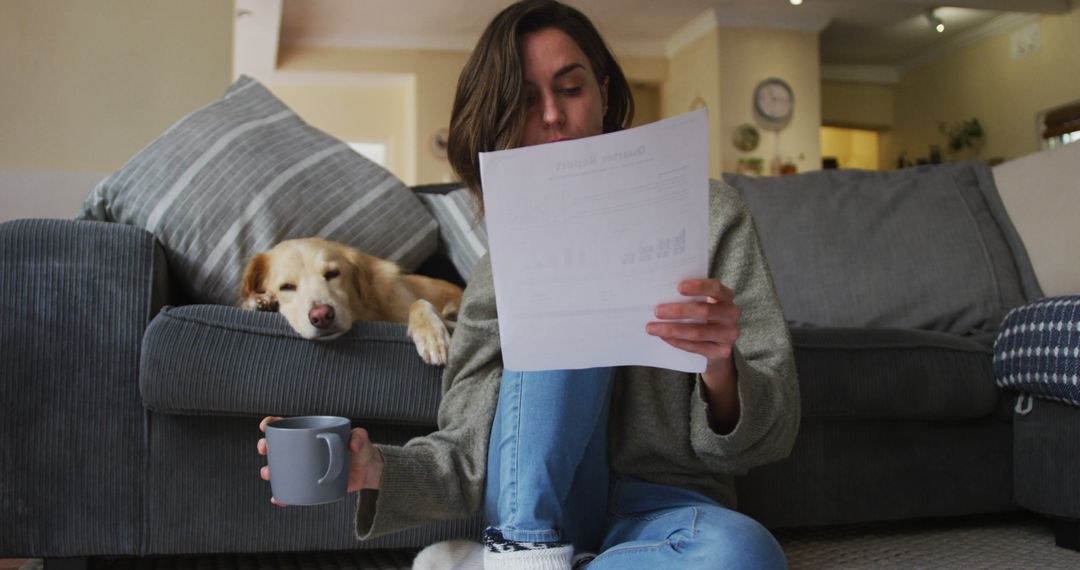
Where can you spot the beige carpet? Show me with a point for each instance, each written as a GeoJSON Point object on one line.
{"type": "Point", "coordinates": [1012, 541]}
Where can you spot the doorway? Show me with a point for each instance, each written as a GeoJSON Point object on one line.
{"type": "Point", "coordinates": [850, 148]}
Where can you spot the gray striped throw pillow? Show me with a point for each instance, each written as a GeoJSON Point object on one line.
{"type": "Point", "coordinates": [463, 238]}
{"type": "Point", "coordinates": [245, 172]}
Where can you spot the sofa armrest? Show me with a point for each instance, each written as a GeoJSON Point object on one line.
{"type": "Point", "coordinates": [75, 298]}
{"type": "Point", "coordinates": [220, 360]}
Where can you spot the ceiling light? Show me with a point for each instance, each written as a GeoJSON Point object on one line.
{"type": "Point", "coordinates": [795, 2]}
{"type": "Point", "coordinates": [935, 22]}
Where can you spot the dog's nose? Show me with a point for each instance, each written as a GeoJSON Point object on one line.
{"type": "Point", "coordinates": [321, 316]}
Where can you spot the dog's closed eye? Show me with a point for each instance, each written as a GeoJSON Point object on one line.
{"type": "Point", "coordinates": [287, 287]}
{"type": "Point", "coordinates": [331, 274]}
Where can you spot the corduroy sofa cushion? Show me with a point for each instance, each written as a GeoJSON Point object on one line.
{"type": "Point", "coordinates": [892, 374]}
{"type": "Point", "coordinates": [217, 360]}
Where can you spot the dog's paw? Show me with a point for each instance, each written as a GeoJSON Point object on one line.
{"type": "Point", "coordinates": [432, 342]}
{"type": "Point", "coordinates": [260, 302]}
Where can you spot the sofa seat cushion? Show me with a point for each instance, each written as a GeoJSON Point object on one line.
{"type": "Point", "coordinates": [1038, 350]}
{"type": "Point", "coordinates": [893, 374]}
{"type": "Point", "coordinates": [219, 360]}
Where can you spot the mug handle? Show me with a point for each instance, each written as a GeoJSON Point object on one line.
{"type": "Point", "coordinates": [333, 445]}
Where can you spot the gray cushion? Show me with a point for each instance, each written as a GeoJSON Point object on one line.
{"type": "Point", "coordinates": [462, 235]}
{"type": "Point", "coordinates": [919, 248]}
{"type": "Point", "coordinates": [893, 374]}
{"type": "Point", "coordinates": [215, 360]}
{"type": "Point", "coordinates": [239, 175]}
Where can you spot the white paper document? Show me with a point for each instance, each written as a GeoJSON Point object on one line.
{"type": "Point", "coordinates": [588, 236]}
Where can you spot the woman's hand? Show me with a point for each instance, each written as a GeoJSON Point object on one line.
{"type": "Point", "coordinates": [365, 460]}
{"type": "Point", "coordinates": [713, 337]}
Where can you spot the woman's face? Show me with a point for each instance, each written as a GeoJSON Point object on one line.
{"type": "Point", "coordinates": [563, 99]}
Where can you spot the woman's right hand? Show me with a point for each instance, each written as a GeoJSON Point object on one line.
{"type": "Point", "coordinates": [365, 460]}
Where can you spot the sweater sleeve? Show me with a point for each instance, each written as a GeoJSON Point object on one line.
{"type": "Point", "coordinates": [764, 361]}
{"type": "Point", "coordinates": [441, 475]}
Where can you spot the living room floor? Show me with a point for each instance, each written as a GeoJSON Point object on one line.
{"type": "Point", "coordinates": [1005, 541]}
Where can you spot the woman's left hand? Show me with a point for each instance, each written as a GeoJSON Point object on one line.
{"type": "Point", "coordinates": [713, 337]}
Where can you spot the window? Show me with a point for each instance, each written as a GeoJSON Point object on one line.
{"type": "Point", "coordinates": [1064, 139]}
{"type": "Point", "coordinates": [375, 152]}
{"type": "Point", "coordinates": [1061, 125]}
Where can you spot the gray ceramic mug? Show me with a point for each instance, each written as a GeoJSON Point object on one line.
{"type": "Point", "coordinates": [309, 459]}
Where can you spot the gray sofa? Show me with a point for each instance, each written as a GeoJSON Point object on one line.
{"type": "Point", "coordinates": [130, 415]}
{"type": "Point", "coordinates": [895, 285]}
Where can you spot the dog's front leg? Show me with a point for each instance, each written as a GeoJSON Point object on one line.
{"type": "Point", "coordinates": [429, 332]}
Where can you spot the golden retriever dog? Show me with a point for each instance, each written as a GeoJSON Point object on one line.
{"type": "Point", "coordinates": [323, 287]}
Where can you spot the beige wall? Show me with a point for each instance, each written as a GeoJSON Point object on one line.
{"type": "Point", "coordinates": [85, 85]}
{"type": "Point", "coordinates": [748, 56]}
{"type": "Point", "coordinates": [985, 82]}
{"type": "Point", "coordinates": [724, 66]}
{"type": "Point", "coordinates": [435, 73]}
{"type": "Point", "coordinates": [694, 72]}
{"type": "Point", "coordinates": [357, 113]}
{"type": "Point", "coordinates": [646, 103]}
{"type": "Point", "coordinates": [652, 70]}
{"type": "Point", "coordinates": [857, 105]}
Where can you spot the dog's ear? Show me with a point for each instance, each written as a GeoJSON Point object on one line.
{"type": "Point", "coordinates": [251, 285]}
{"type": "Point", "coordinates": [363, 276]}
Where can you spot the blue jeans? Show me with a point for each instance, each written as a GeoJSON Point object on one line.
{"type": "Point", "coordinates": [549, 479]}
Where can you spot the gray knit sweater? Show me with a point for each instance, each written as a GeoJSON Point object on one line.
{"type": "Point", "coordinates": [659, 429]}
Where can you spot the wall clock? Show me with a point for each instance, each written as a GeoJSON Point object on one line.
{"type": "Point", "coordinates": [774, 100]}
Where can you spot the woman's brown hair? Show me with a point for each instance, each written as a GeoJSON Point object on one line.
{"type": "Point", "coordinates": [489, 107]}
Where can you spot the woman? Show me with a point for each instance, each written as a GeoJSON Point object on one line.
{"type": "Point", "coordinates": [541, 73]}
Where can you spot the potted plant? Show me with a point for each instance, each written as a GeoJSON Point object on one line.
{"type": "Point", "coordinates": [963, 136]}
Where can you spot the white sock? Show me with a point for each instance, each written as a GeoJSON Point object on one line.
{"type": "Point", "coordinates": [553, 558]}
{"type": "Point", "coordinates": [451, 555]}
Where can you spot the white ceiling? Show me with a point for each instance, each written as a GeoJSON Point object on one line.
{"type": "Point", "coordinates": [853, 32]}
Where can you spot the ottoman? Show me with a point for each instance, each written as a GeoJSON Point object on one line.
{"type": "Point", "coordinates": [1037, 353]}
